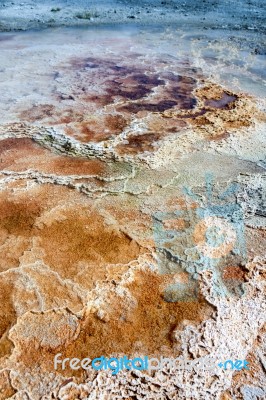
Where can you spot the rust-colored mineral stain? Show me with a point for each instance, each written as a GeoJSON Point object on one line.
{"type": "Point", "coordinates": [17, 221]}
{"type": "Point", "coordinates": [6, 346]}
{"type": "Point", "coordinates": [106, 95]}
{"type": "Point", "coordinates": [101, 127]}
{"type": "Point", "coordinates": [7, 390]}
{"type": "Point", "coordinates": [68, 166]}
{"type": "Point", "coordinates": [115, 123]}
{"type": "Point", "coordinates": [89, 134]}
{"type": "Point", "coordinates": [147, 327]}
{"type": "Point", "coordinates": [177, 224]}
{"type": "Point", "coordinates": [84, 238]}
{"type": "Point", "coordinates": [38, 113]}
{"type": "Point", "coordinates": [133, 86]}
{"type": "Point", "coordinates": [18, 218]}
{"type": "Point", "coordinates": [7, 314]}
{"type": "Point", "coordinates": [139, 143]}
{"type": "Point", "coordinates": [20, 144]}
{"type": "Point", "coordinates": [183, 96]}
{"type": "Point", "coordinates": [21, 154]}
{"type": "Point", "coordinates": [161, 106]}
{"type": "Point", "coordinates": [129, 92]}
{"type": "Point", "coordinates": [66, 382]}
{"type": "Point", "coordinates": [234, 273]}
{"type": "Point", "coordinates": [250, 375]}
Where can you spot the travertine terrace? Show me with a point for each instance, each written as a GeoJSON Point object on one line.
{"type": "Point", "coordinates": [108, 150]}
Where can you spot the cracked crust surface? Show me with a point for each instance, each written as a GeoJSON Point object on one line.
{"type": "Point", "coordinates": [98, 238]}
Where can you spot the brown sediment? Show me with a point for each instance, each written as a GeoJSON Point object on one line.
{"type": "Point", "coordinates": [163, 126]}
{"type": "Point", "coordinates": [7, 315]}
{"type": "Point", "coordinates": [84, 238]}
{"type": "Point", "coordinates": [7, 389]}
{"type": "Point", "coordinates": [18, 218]}
{"type": "Point", "coordinates": [219, 112]}
{"type": "Point", "coordinates": [234, 273]}
{"type": "Point", "coordinates": [221, 136]}
{"type": "Point", "coordinates": [22, 154]}
{"type": "Point", "coordinates": [68, 166]}
{"type": "Point", "coordinates": [38, 113]}
{"type": "Point", "coordinates": [14, 144]}
{"type": "Point", "coordinates": [254, 375]}
{"type": "Point", "coordinates": [6, 346]}
{"type": "Point", "coordinates": [150, 322]}
{"type": "Point", "coordinates": [66, 117]}
{"type": "Point", "coordinates": [138, 143]}
{"type": "Point", "coordinates": [129, 90]}
{"type": "Point", "coordinates": [100, 128]}
{"type": "Point", "coordinates": [176, 224]}
{"type": "Point", "coordinates": [130, 93]}
{"type": "Point", "coordinates": [146, 326]}
{"type": "Point", "coordinates": [115, 123]}
{"type": "Point", "coordinates": [211, 91]}
{"type": "Point", "coordinates": [16, 225]}
{"type": "Point", "coordinates": [12, 249]}
{"type": "Point", "coordinates": [161, 106]}
{"type": "Point", "coordinates": [129, 75]}
{"type": "Point", "coordinates": [233, 278]}
{"type": "Point", "coordinates": [78, 245]}
{"type": "Point", "coordinates": [106, 95]}
{"type": "Point", "coordinates": [183, 93]}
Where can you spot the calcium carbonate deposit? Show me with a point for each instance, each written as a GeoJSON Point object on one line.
{"type": "Point", "coordinates": [132, 201]}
